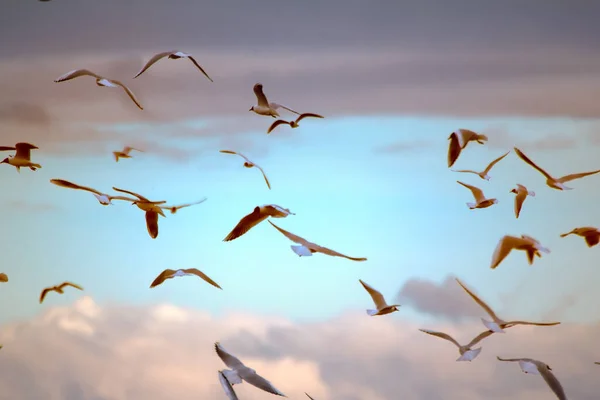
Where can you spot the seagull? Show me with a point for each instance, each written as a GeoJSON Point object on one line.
{"type": "Point", "coordinates": [264, 107]}
{"type": "Point", "coordinates": [174, 209]}
{"type": "Point", "coordinates": [172, 55]}
{"type": "Point", "coordinates": [480, 200]}
{"type": "Point", "coordinates": [102, 198]}
{"type": "Point", "coordinates": [467, 353]}
{"type": "Point", "coordinates": [526, 243]}
{"type": "Point", "coordinates": [484, 174]}
{"type": "Point", "coordinates": [293, 124]}
{"type": "Point", "coordinates": [100, 81]}
{"type": "Point", "coordinates": [382, 307]}
{"type": "Point", "coordinates": [239, 372]}
{"type": "Point", "coordinates": [248, 164]}
{"type": "Point", "coordinates": [3, 277]}
{"type": "Point", "coordinates": [459, 140]}
{"type": "Point", "coordinates": [22, 157]}
{"type": "Point", "coordinates": [554, 183]}
{"type": "Point", "coordinates": [152, 209]}
{"type": "Point", "coordinates": [589, 233]}
{"type": "Point", "coordinates": [58, 289]}
{"type": "Point", "coordinates": [498, 325]}
{"type": "Point", "coordinates": [535, 367]}
{"type": "Point", "coordinates": [522, 193]}
{"type": "Point", "coordinates": [255, 217]}
{"type": "Point", "coordinates": [124, 153]}
{"type": "Point", "coordinates": [306, 248]}
{"type": "Point", "coordinates": [227, 386]}
{"type": "Point", "coordinates": [170, 273]}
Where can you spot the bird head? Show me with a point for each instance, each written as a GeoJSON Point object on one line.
{"type": "Point", "coordinates": [251, 108]}
{"type": "Point", "coordinates": [4, 161]}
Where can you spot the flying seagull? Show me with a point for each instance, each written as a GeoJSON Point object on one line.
{"type": "Point", "coordinates": [554, 183]}
{"type": "Point", "coordinates": [484, 174]}
{"type": "Point", "coordinates": [227, 386]}
{"type": "Point", "coordinates": [255, 217]}
{"type": "Point", "coordinates": [380, 303]}
{"type": "Point", "coordinates": [589, 233]}
{"type": "Point", "coordinates": [174, 209]}
{"type": "Point", "coordinates": [480, 200]}
{"type": "Point", "coordinates": [293, 124]}
{"type": "Point", "coordinates": [151, 208]}
{"type": "Point", "coordinates": [172, 55]}
{"type": "Point", "coordinates": [467, 353]}
{"type": "Point", "coordinates": [100, 81]}
{"type": "Point", "coordinates": [498, 325]}
{"type": "Point", "coordinates": [535, 367]}
{"type": "Point", "coordinates": [306, 248]}
{"type": "Point", "coordinates": [124, 153]}
{"type": "Point", "coordinates": [248, 164]}
{"type": "Point", "coordinates": [3, 277]}
{"type": "Point", "coordinates": [526, 243]}
{"type": "Point", "coordinates": [239, 372]}
{"type": "Point", "coordinates": [58, 289]}
{"type": "Point", "coordinates": [459, 140]}
{"type": "Point", "coordinates": [522, 192]}
{"type": "Point", "coordinates": [22, 157]}
{"type": "Point", "coordinates": [103, 198]}
{"type": "Point", "coordinates": [264, 107]}
{"type": "Point", "coordinates": [171, 273]}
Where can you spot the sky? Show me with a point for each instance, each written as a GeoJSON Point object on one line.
{"type": "Point", "coordinates": [393, 80]}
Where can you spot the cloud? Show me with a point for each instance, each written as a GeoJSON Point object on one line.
{"type": "Point", "coordinates": [25, 113]}
{"type": "Point", "coordinates": [118, 352]}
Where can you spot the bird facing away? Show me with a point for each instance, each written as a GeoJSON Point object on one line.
{"type": "Point", "coordinates": [380, 303]}
{"type": "Point", "coordinates": [58, 289]}
{"type": "Point", "coordinates": [172, 55]}
{"type": "Point", "coordinates": [522, 192]}
{"type": "Point", "coordinates": [484, 174]}
{"type": "Point", "coordinates": [467, 353]}
{"type": "Point", "coordinates": [498, 325]}
{"type": "Point", "coordinates": [174, 209]}
{"type": "Point", "coordinates": [535, 367]}
{"type": "Point", "coordinates": [554, 183]}
{"type": "Point", "coordinates": [3, 277]}
{"type": "Point", "coordinates": [248, 164]}
{"type": "Point", "coordinates": [459, 140]}
{"type": "Point", "coordinates": [264, 107]}
{"type": "Point", "coordinates": [227, 386]}
{"type": "Point", "coordinates": [100, 81]}
{"type": "Point", "coordinates": [124, 153]}
{"type": "Point", "coordinates": [589, 233]}
{"type": "Point", "coordinates": [151, 208]}
{"type": "Point", "coordinates": [255, 217]}
{"type": "Point", "coordinates": [293, 124]}
{"type": "Point", "coordinates": [304, 248]}
{"type": "Point", "coordinates": [102, 198]}
{"type": "Point", "coordinates": [239, 372]}
{"type": "Point", "coordinates": [171, 273]}
{"type": "Point", "coordinates": [22, 157]}
{"type": "Point", "coordinates": [526, 243]}
{"type": "Point", "coordinates": [480, 200]}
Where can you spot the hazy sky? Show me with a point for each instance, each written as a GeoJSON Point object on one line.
{"type": "Point", "coordinates": [393, 80]}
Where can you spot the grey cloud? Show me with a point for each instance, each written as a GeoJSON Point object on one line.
{"type": "Point", "coordinates": [24, 113]}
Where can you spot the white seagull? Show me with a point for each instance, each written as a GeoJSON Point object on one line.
{"type": "Point", "coordinates": [248, 164]}
{"type": "Point", "coordinates": [171, 273]}
{"type": "Point", "coordinates": [174, 209]}
{"type": "Point", "coordinates": [103, 198]}
{"type": "Point", "coordinates": [264, 107]}
{"type": "Point", "coordinates": [100, 81]}
{"type": "Point", "coordinates": [293, 124]}
{"type": "Point", "coordinates": [589, 233]}
{"type": "Point", "coordinates": [124, 153]}
{"type": "Point", "coordinates": [459, 140]}
{"type": "Point", "coordinates": [526, 243]}
{"type": "Point", "coordinates": [480, 200]}
{"type": "Point", "coordinates": [151, 208]}
{"type": "Point", "coordinates": [22, 157]}
{"type": "Point", "coordinates": [467, 353]}
{"type": "Point", "coordinates": [484, 174]}
{"type": "Point", "coordinates": [522, 192]}
{"type": "Point", "coordinates": [172, 55]}
{"type": "Point", "coordinates": [535, 367]}
{"type": "Point", "coordinates": [255, 217]}
{"type": "Point", "coordinates": [498, 325]}
{"type": "Point", "coordinates": [239, 372]}
{"type": "Point", "coordinates": [380, 303]}
{"type": "Point", "coordinates": [227, 386]}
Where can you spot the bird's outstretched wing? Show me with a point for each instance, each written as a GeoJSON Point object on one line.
{"type": "Point", "coordinates": [193, 60]}
{"type": "Point", "coordinates": [71, 185]}
{"type": "Point", "coordinates": [523, 157]}
{"type": "Point", "coordinates": [481, 303]}
{"type": "Point", "coordinates": [308, 115]}
{"type": "Point", "coordinates": [245, 224]}
{"type": "Point", "coordinates": [477, 193]}
{"type": "Point", "coordinates": [163, 276]}
{"type": "Point", "coordinates": [260, 95]}
{"type": "Point", "coordinates": [153, 60]}
{"type": "Point", "coordinates": [202, 275]}
{"type": "Point", "coordinates": [491, 165]}
{"type": "Point", "coordinates": [131, 193]}
{"type": "Point", "coordinates": [230, 360]}
{"type": "Point", "coordinates": [75, 74]}
{"type": "Point", "coordinates": [64, 284]}
{"type": "Point", "coordinates": [377, 297]}
{"type": "Point", "coordinates": [572, 177]}
{"type": "Point", "coordinates": [129, 93]}
{"type": "Point", "coordinates": [441, 335]}
{"type": "Point", "coordinates": [275, 106]}
{"type": "Point", "coordinates": [276, 124]}
{"type": "Point", "coordinates": [152, 223]}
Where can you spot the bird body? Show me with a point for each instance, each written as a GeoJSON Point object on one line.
{"type": "Point", "coordinates": [227, 386]}
{"type": "Point", "coordinates": [459, 140]}
{"type": "Point", "coordinates": [249, 164]}
{"type": "Point", "coordinates": [263, 106]}
{"type": "Point", "coordinates": [381, 305]}
{"type": "Point", "coordinates": [22, 157]}
{"type": "Point", "coordinates": [292, 124]}
{"type": "Point", "coordinates": [151, 208]}
{"type": "Point", "coordinates": [259, 214]}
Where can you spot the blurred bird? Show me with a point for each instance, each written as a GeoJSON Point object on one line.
{"type": "Point", "coordinates": [484, 174]}
{"type": "Point", "coordinates": [103, 198]}
{"type": "Point", "coordinates": [480, 199]}
{"type": "Point", "coordinates": [151, 208]}
{"type": "Point", "coordinates": [459, 140]}
{"type": "Point", "coordinates": [124, 153]}
{"type": "Point", "coordinates": [380, 303]}
{"type": "Point", "coordinates": [174, 209]}
{"type": "Point", "coordinates": [293, 124]}
{"type": "Point", "coordinates": [255, 217]}
{"type": "Point", "coordinates": [171, 273]}
{"type": "Point", "coordinates": [248, 164]}
{"type": "Point", "coordinates": [589, 233]}
{"type": "Point", "coordinates": [264, 107]}
{"type": "Point", "coordinates": [526, 243]}
{"type": "Point", "coordinates": [22, 157]}
{"type": "Point", "coordinates": [172, 55]}
{"type": "Point", "coordinates": [58, 289]}
{"type": "Point", "coordinates": [467, 353]}
{"type": "Point", "coordinates": [522, 193]}
{"type": "Point", "coordinates": [535, 367]}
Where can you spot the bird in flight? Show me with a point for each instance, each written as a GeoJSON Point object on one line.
{"type": "Point", "coordinates": [589, 233]}
{"type": "Point", "coordinates": [174, 209]}
{"type": "Point", "coordinates": [103, 198]}
{"type": "Point", "coordinates": [293, 124]}
{"type": "Point", "coordinates": [22, 157]}
{"type": "Point", "coordinates": [484, 174]}
{"type": "Point", "coordinates": [380, 303]}
{"type": "Point", "coordinates": [172, 55]}
{"type": "Point", "coordinates": [522, 192]}
{"type": "Point", "coordinates": [264, 107]}
{"type": "Point", "coordinates": [459, 140]}
{"type": "Point", "coordinates": [467, 353]}
{"type": "Point", "coordinates": [171, 273]}
{"type": "Point", "coordinates": [58, 289]}
{"type": "Point", "coordinates": [554, 183]}
{"type": "Point", "coordinates": [248, 164]}
{"type": "Point", "coordinates": [526, 243]}
{"type": "Point", "coordinates": [100, 81]}
{"type": "Point", "coordinates": [498, 325]}
{"type": "Point", "coordinates": [151, 208]}
{"type": "Point", "coordinates": [239, 372]}
{"type": "Point", "coordinates": [535, 367]}
{"type": "Point", "coordinates": [124, 153]}
{"type": "Point", "coordinates": [227, 386]}
{"type": "Point", "coordinates": [480, 200]}
{"type": "Point", "coordinates": [258, 215]}
{"type": "Point", "coordinates": [304, 248]}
